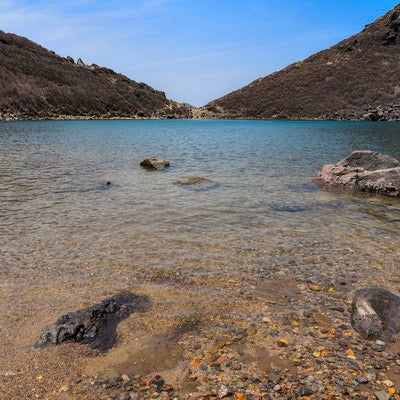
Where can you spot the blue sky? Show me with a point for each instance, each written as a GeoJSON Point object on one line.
{"type": "Point", "coordinates": [194, 50]}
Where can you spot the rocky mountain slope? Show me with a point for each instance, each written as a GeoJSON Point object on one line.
{"type": "Point", "coordinates": [358, 78]}
{"type": "Point", "coordinates": [35, 83]}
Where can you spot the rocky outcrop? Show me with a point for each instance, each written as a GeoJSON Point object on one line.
{"type": "Point", "coordinates": [365, 171]}
{"type": "Point", "coordinates": [95, 325]}
{"type": "Point", "coordinates": [376, 313]}
{"type": "Point", "coordinates": [154, 164]}
{"type": "Point", "coordinates": [81, 63]}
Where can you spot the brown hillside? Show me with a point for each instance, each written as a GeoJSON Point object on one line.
{"type": "Point", "coordinates": [35, 83]}
{"type": "Point", "coordinates": [359, 78]}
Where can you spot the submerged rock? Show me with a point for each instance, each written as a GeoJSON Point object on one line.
{"type": "Point", "coordinates": [154, 163]}
{"type": "Point", "coordinates": [376, 313]}
{"type": "Point", "coordinates": [197, 183]}
{"type": "Point", "coordinates": [365, 171]}
{"type": "Point", "coordinates": [106, 186]}
{"type": "Point", "coordinates": [95, 325]}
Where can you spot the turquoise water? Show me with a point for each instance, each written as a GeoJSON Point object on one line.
{"type": "Point", "coordinates": [52, 192]}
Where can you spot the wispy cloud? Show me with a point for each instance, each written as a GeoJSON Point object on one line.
{"type": "Point", "coordinates": [196, 46]}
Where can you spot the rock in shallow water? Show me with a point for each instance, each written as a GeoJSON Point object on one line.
{"type": "Point", "coordinates": [95, 325]}
{"type": "Point", "coordinates": [154, 163]}
{"type": "Point", "coordinates": [376, 313]}
{"type": "Point", "coordinates": [197, 183]}
{"type": "Point", "coordinates": [365, 171]}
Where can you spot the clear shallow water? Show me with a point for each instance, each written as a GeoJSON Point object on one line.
{"type": "Point", "coordinates": [218, 259]}
{"type": "Point", "coordinates": [53, 194]}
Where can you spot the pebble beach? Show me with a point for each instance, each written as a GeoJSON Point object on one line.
{"type": "Point", "coordinates": [256, 333]}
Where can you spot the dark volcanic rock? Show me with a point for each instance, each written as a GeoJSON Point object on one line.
{"type": "Point", "coordinates": [365, 171]}
{"type": "Point", "coordinates": [154, 163]}
{"type": "Point", "coordinates": [95, 325]}
{"type": "Point", "coordinates": [376, 313]}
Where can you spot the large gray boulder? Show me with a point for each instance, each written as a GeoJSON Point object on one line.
{"type": "Point", "coordinates": [376, 313]}
{"type": "Point", "coordinates": [365, 171]}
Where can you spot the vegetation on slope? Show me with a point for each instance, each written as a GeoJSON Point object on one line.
{"type": "Point", "coordinates": [359, 78]}
{"type": "Point", "coordinates": [35, 83]}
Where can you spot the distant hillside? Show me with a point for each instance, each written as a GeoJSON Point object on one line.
{"type": "Point", "coordinates": [35, 83]}
{"type": "Point", "coordinates": [359, 78]}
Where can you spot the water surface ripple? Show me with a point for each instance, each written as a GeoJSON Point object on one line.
{"type": "Point", "coordinates": [53, 184]}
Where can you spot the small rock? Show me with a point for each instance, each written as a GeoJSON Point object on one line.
{"type": "Point", "coordinates": [154, 163]}
{"type": "Point", "coordinates": [236, 366]}
{"type": "Point", "coordinates": [305, 391]}
{"type": "Point", "coordinates": [371, 376]}
{"type": "Point", "coordinates": [388, 383]}
{"type": "Point", "coordinates": [223, 391]}
{"type": "Point", "coordinates": [283, 343]}
{"type": "Point", "coordinates": [362, 379]}
{"type": "Point", "coordinates": [382, 395]}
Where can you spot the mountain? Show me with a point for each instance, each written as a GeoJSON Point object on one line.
{"type": "Point", "coordinates": [36, 83]}
{"type": "Point", "coordinates": [358, 78]}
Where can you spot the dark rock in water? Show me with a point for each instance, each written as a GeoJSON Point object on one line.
{"type": "Point", "coordinates": [95, 325]}
{"type": "Point", "coordinates": [293, 207]}
{"type": "Point", "coordinates": [154, 163]}
{"type": "Point", "coordinates": [365, 171]}
{"type": "Point", "coordinates": [376, 313]}
{"type": "Point", "coordinates": [105, 186]}
{"type": "Point", "coordinates": [197, 183]}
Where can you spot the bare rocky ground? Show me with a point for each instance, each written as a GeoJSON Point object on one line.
{"type": "Point", "coordinates": [269, 330]}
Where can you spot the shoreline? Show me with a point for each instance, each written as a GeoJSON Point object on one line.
{"type": "Point", "coordinates": [85, 118]}
{"type": "Point", "coordinates": [265, 335]}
